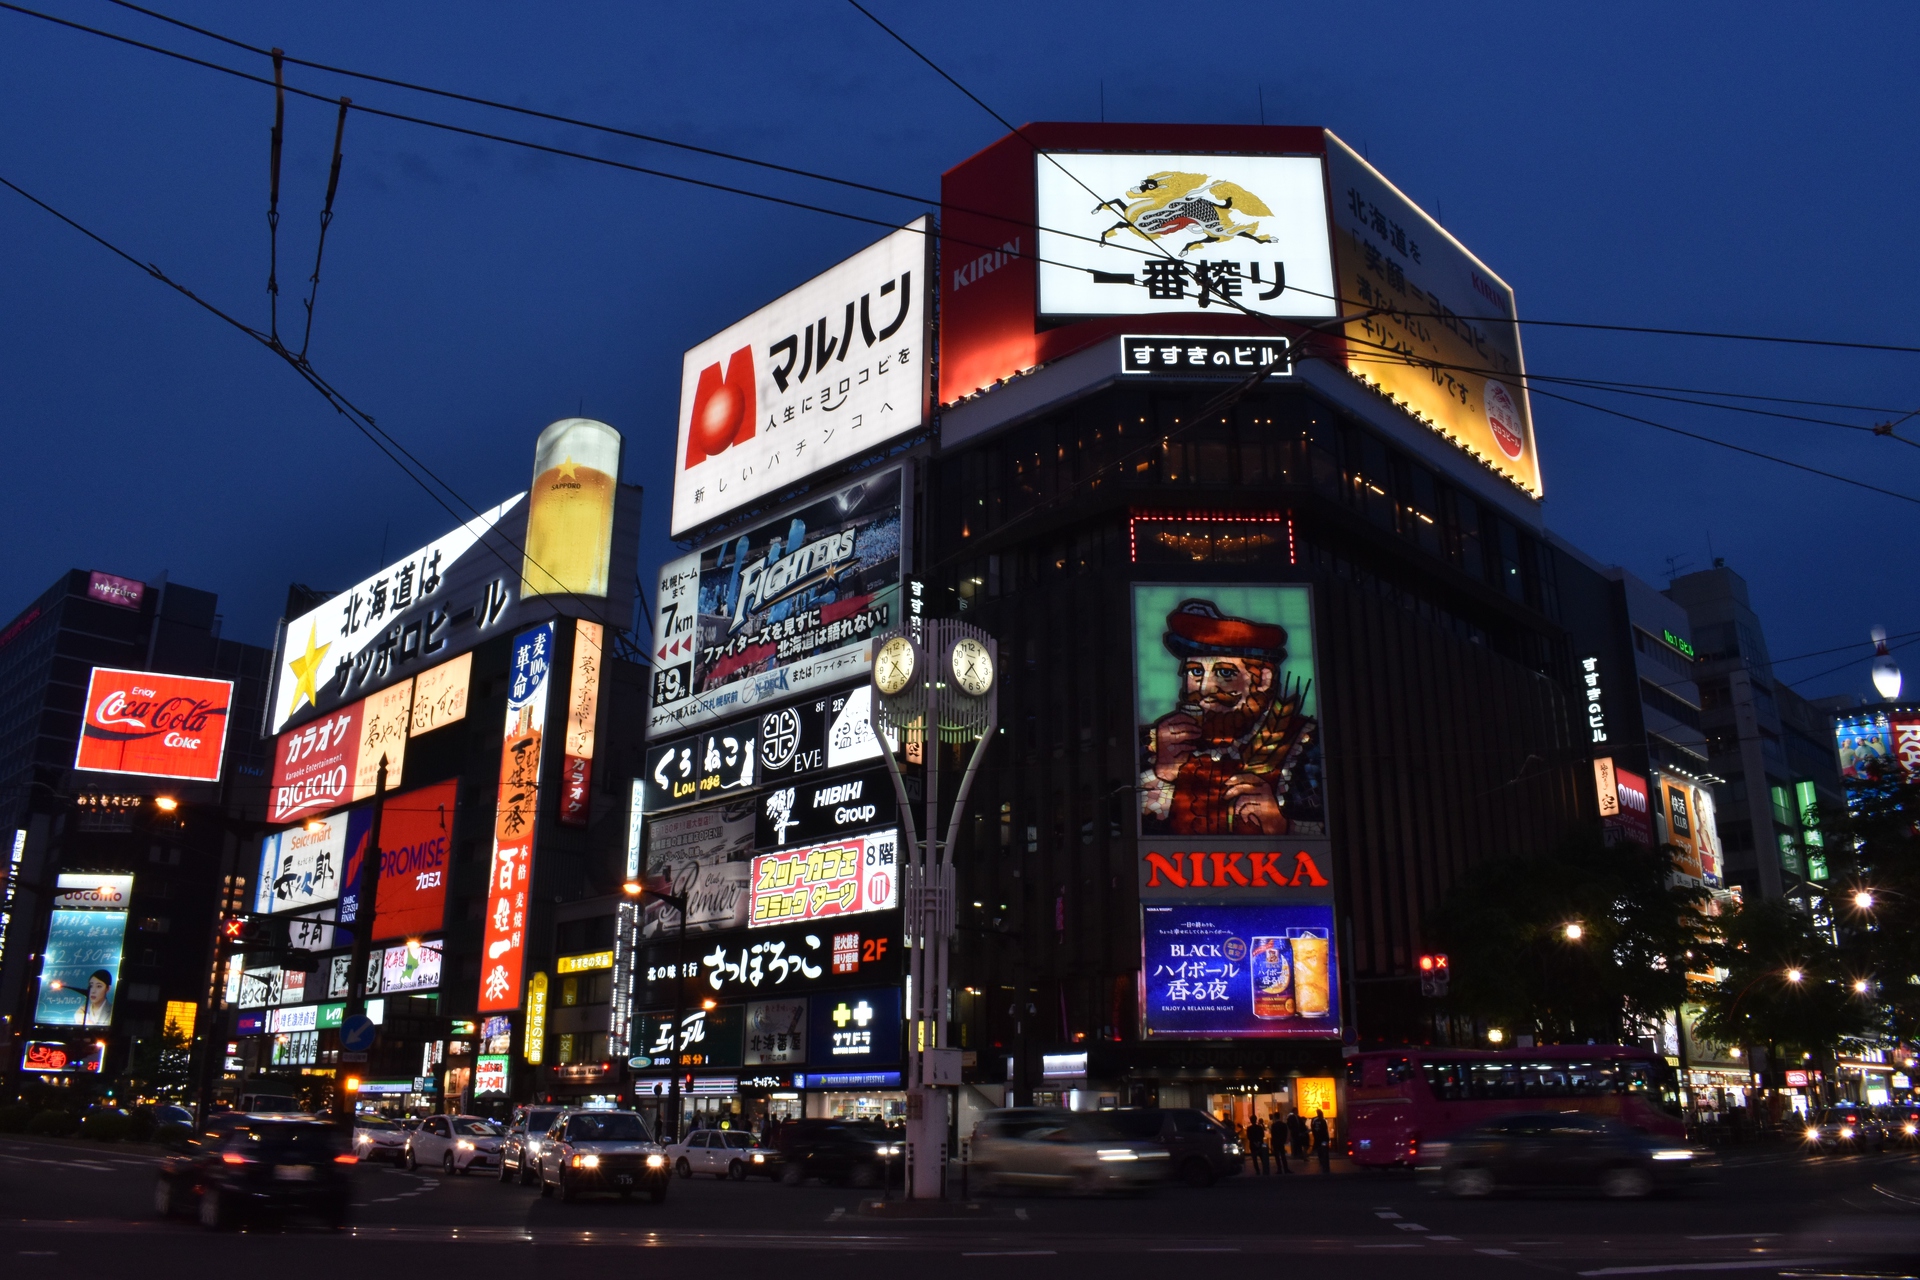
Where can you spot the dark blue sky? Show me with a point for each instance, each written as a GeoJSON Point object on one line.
{"type": "Point", "coordinates": [1728, 167]}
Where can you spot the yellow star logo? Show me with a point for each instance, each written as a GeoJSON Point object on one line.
{"type": "Point", "coordinates": [305, 668]}
{"type": "Point", "coordinates": [567, 469]}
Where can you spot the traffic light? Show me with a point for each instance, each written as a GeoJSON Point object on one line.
{"type": "Point", "coordinates": [240, 933]}
{"type": "Point", "coordinates": [1433, 975]}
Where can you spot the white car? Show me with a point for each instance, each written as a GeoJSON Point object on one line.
{"type": "Point", "coordinates": [724, 1153]}
{"type": "Point", "coordinates": [377, 1138]}
{"type": "Point", "coordinates": [458, 1144]}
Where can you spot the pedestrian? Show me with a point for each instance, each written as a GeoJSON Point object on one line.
{"type": "Point", "coordinates": [1279, 1127]}
{"type": "Point", "coordinates": [1322, 1141]}
{"type": "Point", "coordinates": [1297, 1134]}
{"type": "Point", "coordinates": [1257, 1146]}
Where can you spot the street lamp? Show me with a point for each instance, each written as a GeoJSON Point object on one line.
{"type": "Point", "coordinates": [1574, 931]}
{"type": "Point", "coordinates": [1863, 899]}
{"type": "Point", "coordinates": [1495, 1035]}
{"type": "Point", "coordinates": [1795, 976]}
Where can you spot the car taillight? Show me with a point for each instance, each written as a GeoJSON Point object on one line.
{"type": "Point", "coordinates": [234, 1157]}
{"type": "Point", "coordinates": [346, 1159]}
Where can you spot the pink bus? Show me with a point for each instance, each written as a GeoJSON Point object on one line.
{"type": "Point", "coordinates": [1399, 1099]}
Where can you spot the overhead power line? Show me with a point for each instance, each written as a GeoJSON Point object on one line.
{"type": "Point", "coordinates": [810, 174]}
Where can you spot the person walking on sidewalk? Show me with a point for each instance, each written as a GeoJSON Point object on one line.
{"type": "Point", "coordinates": [1277, 1125]}
{"type": "Point", "coordinates": [1257, 1146]}
{"type": "Point", "coordinates": [1297, 1134]}
{"type": "Point", "coordinates": [1322, 1141]}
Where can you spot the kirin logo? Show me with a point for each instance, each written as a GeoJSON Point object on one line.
{"type": "Point", "coordinates": [723, 408]}
{"type": "Point", "coordinates": [1192, 204]}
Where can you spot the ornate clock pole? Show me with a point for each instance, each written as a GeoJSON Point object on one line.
{"type": "Point", "coordinates": [941, 691]}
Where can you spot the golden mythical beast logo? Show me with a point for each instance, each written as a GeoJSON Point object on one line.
{"type": "Point", "coordinates": [1170, 204]}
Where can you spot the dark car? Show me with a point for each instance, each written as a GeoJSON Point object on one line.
{"type": "Point", "coordinates": [520, 1149]}
{"type": "Point", "coordinates": [1848, 1127]}
{"type": "Point", "coordinates": [593, 1151]}
{"type": "Point", "coordinates": [240, 1167]}
{"type": "Point", "coordinates": [862, 1153]}
{"type": "Point", "coordinates": [1902, 1123]}
{"type": "Point", "coordinates": [1568, 1149]}
{"type": "Point", "coordinates": [1199, 1149]}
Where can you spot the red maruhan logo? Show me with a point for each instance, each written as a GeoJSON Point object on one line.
{"type": "Point", "coordinates": [723, 408]}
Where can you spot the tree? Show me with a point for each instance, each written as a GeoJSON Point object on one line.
{"type": "Point", "coordinates": [1505, 928]}
{"type": "Point", "coordinates": [1786, 985]}
{"type": "Point", "coordinates": [1872, 890]}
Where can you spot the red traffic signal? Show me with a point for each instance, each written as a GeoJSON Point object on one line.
{"type": "Point", "coordinates": [1433, 975]}
{"type": "Point", "coordinates": [239, 932]}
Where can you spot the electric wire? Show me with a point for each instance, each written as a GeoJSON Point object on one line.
{"type": "Point", "coordinates": [815, 175]}
{"type": "Point", "coordinates": [441, 125]}
{"type": "Point", "coordinates": [363, 422]}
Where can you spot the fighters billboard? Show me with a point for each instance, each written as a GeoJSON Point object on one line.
{"type": "Point", "coordinates": [779, 609]}
{"type": "Point", "coordinates": [825, 373]}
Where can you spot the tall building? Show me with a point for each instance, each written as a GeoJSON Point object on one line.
{"type": "Point", "coordinates": [163, 874]}
{"type": "Point", "coordinates": [1772, 747]}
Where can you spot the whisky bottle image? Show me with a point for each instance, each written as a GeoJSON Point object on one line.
{"type": "Point", "coordinates": [576, 474]}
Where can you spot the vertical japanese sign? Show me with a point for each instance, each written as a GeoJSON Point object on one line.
{"type": "Point", "coordinates": [583, 706]}
{"type": "Point", "coordinates": [505, 938]}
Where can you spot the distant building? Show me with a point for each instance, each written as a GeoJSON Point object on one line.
{"type": "Point", "coordinates": [1772, 747]}
{"type": "Point", "coordinates": [64, 825]}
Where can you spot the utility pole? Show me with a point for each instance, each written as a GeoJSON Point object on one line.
{"type": "Point", "coordinates": [939, 689]}
{"type": "Point", "coordinates": [363, 924]}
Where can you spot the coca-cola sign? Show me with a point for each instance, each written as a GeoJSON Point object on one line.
{"type": "Point", "coordinates": [157, 726]}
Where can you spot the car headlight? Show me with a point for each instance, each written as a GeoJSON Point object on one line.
{"type": "Point", "coordinates": [1813, 1134]}
{"type": "Point", "coordinates": [533, 1148]}
{"type": "Point", "coordinates": [1910, 1129]}
{"type": "Point", "coordinates": [657, 1161]}
{"type": "Point", "coordinates": [586, 1162]}
{"type": "Point", "coordinates": [463, 1145]}
{"type": "Point", "coordinates": [1673, 1154]}
{"type": "Point", "coordinates": [758, 1158]}
{"type": "Point", "coordinates": [1118, 1153]}
{"type": "Point", "coordinates": [1846, 1133]}
{"type": "Point", "coordinates": [891, 1149]}
{"type": "Point", "coordinates": [1233, 1148]}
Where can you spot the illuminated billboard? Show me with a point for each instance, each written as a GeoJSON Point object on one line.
{"type": "Point", "coordinates": [416, 830]}
{"type": "Point", "coordinates": [1228, 712]}
{"type": "Point", "coordinates": [707, 858]}
{"type": "Point", "coordinates": [1181, 233]}
{"type": "Point", "coordinates": [827, 372]}
{"type": "Point", "coordinates": [1864, 741]}
{"type": "Point", "coordinates": [412, 966]}
{"type": "Point", "coordinates": [335, 760]}
{"type": "Point", "coordinates": [1239, 971]}
{"type": "Point", "coordinates": [576, 483]}
{"type": "Point", "coordinates": [440, 695]}
{"type": "Point", "coordinates": [504, 937]}
{"type": "Point", "coordinates": [80, 969]}
{"type": "Point", "coordinates": [781, 608]}
{"type": "Point", "coordinates": [824, 881]}
{"type": "Point", "coordinates": [1433, 328]}
{"type": "Point", "coordinates": [155, 726]}
{"type": "Point", "coordinates": [304, 866]}
{"type": "Point", "coordinates": [583, 709]}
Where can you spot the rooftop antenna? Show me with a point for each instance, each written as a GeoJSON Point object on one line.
{"type": "Point", "coordinates": [1262, 91]}
{"type": "Point", "coordinates": [1103, 102]}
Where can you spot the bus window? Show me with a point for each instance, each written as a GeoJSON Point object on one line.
{"type": "Point", "coordinates": [1399, 1070]}
{"type": "Point", "coordinates": [1445, 1080]}
{"type": "Point", "coordinates": [1493, 1080]}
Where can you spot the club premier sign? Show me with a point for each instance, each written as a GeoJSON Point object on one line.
{"type": "Point", "coordinates": [156, 726]}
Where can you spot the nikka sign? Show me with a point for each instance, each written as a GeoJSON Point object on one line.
{"type": "Point", "coordinates": [1242, 870]}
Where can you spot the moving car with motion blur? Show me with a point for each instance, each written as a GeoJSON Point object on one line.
{"type": "Point", "coordinates": [1558, 1150]}
{"type": "Point", "coordinates": [520, 1148]}
{"type": "Point", "coordinates": [458, 1144]}
{"type": "Point", "coordinates": [377, 1138]}
{"type": "Point", "coordinates": [1902, 1121]}
{"type": "Point", "coordinates": [1847, 1128]}
{"type": "Point", "coordinates": [1085, 1153]}
{"type": "Point", "coordinates": [602, 1151]}
{"type": "Point", "coordinates": [240, 1168]}
{"type": "Point", "coordinates": [724, 1153]}
{"type": "Point", "coordinates": [1199, 1149]}
{"type": "Point", "coordinates": [860, 1153]}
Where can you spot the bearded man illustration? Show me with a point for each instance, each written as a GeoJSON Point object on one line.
{"type": "Point", "coordinates": [1220, 763]}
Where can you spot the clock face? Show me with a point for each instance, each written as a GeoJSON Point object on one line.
{"type": "Point", "coordinates": [893, 666]}
{"type": "Point", "coordinates": [972, 666]}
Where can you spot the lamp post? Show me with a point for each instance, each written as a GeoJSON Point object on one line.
{"type": "Point", "coordinates": [363, 925]}
{"type": "Point", "coordinates": [939, 688]}
{"type": "Point", "coordinates": [678, 901]}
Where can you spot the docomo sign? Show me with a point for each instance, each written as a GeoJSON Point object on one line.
{"type": "Point", "coordinates": [158, 726]}
{"type": "Point", "coordinates": [830, 370]}
{"type": "Point", "coordinates": [104, 893]}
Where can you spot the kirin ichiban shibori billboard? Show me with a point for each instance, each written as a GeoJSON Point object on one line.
{"type": "Point", "coordinates": [780, 609]}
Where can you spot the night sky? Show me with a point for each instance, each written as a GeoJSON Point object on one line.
{"type": "Point", "coordinates": [1724, 167]}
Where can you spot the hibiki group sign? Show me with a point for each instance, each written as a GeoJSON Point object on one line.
{"type": "Point", "coordinates": [504, 940]}
{"type": "Point", "coordinates": [154, 725]}
{"type": "Point", "coordinates": [832, 369]}
{"type": "Point", "coordinates": [780, 609]}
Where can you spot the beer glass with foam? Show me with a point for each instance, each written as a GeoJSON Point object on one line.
{"type": "Point", "coordinates": [1312, 974]}
{"type": "Point", "coordinates": [576, 474]}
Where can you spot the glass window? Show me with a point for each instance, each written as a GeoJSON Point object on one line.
{"type": "Point", "coordinates": [1420, 508]}
{"type": "Point", "coordinates": [607, 1126]}
{"type": "Point", "coordinates": [1511, 579]}
{"type": "Point", "coordinates": [1372, 478]}
{"type": "Point", "coordinates": [1468, 550]}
